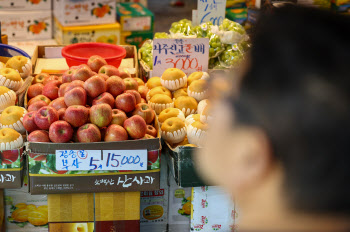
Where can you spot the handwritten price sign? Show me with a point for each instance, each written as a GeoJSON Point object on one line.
{"type": "Point", "coordinates": [189, 55]}
{"type": "Point", "coordinates": [85, 160]}
{"type": "Point", "coordinates": [211, 10]}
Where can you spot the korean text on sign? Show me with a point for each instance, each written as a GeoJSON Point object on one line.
{"type": "Point", "coordinates": [86, 160]}
{"type": "Point", "coordinates": [211, 11]}
{"type": "Point", "coordinates": [189, 55]}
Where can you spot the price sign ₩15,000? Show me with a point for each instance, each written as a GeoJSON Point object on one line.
{"type": "Point", "coordinates": [189, 55]}
{"type": "Point", "coordinates": [85, 160]}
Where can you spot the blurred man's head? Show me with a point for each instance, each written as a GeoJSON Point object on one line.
{"type": "Point", "coordinates": [287, 133]}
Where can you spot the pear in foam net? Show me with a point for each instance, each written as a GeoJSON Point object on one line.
{"type": "Point", "coordinates": [10, 139]}
{"type": "Point", "coordinates": [196, 133]}
{"type": "Point", "coordinates": [192, 118]}
{"type": "Point", "coordinates": [158, 90]}
{"type": "Point", "coordinates": [198, 90]}
{"type": "Point", "coordinates": [10, 78]}
{"type": "Point", "coordinates": [170, 113]}
{"type": "Point", "coordinates": [197, 76]}
{"type": "Point", "coordinates": [21, 64]}
{"type": "Point", "coordinates": [188, 105]}
{"type": "Point", "coordinates": [12, 117]}
{"type": "Point", "coordinates": [173, 130]}
{"type": "Point", "coordinates": [173, 79]}
{"type": "Point", "coordinates": [7, 98]}
{"type": "Point", "coordinates": [160, 102]}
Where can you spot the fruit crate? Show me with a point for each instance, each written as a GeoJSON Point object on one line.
{"type": "Point", "coordinates": [182, 166]}
{"type": "Point", "coordinates": [11, 168]}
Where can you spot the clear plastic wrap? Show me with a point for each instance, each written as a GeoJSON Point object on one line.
{"type": "Point", "coordinates": [146, 52]}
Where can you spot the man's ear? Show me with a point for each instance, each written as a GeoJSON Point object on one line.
{"type": "Point", "coordinates": [250, 159]}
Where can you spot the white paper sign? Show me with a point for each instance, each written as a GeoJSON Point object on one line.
{"type": "Point", "coordinates": [189, 55]}
{"type": "Point", "coordinates": [85, 160]}
{"type": "Point", "coordinates": [211, 10]}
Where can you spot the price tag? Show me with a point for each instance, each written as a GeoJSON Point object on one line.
{"type": "Point", "coordinates": [211, 10]}
{"type": "Point", "coordinates": [86, 160]}
{"type": "Point", "coordinates": [189, 55]}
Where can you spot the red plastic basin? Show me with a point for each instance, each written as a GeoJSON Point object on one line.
{"type": "Point", "coordinates": [77, 54]}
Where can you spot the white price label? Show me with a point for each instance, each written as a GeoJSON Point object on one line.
{"type": "Point", "coordinates": [189, 55]}
{"type": "Point", "coordinates": [211, 11]}
{"type": "Point", "coordinates": [86, 160]}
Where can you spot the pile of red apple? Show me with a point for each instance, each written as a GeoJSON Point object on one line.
{"type": "Point", "coordinates": [88, 103]}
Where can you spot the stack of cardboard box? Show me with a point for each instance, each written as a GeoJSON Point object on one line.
{"type": "Point", "coordinates": [26, 19]}
{"type": "Point", "coordinates": [85, 21]}
{"type": "Point", "coordinates": [137, 23]}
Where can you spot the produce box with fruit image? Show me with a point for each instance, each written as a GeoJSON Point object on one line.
{"type": "Point", "coordinates": [85, 125]}
{"type": "Point", "coordinates": [104, 33]}
{"type": "Point", "coordinates": [24, 212]}
{"type": "Point", "coordinates": [26, 25]}
{"type": "Point", "coordinates": [25, 5]}
{"type": "Point", "coordinates": [84, 12]}
{"type": "Point", "coordinates": [134, 17]}
{"type": "Point", "coordinates": [11, 168]}
{"type": "Point", "coordinates": [341, 6]}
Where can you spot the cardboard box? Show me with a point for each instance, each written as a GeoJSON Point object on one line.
{"type": "Point", "coordinates": [105, 33]}
{"type": "Point", "coordinates": [11, 5]}
{"type": "Point", "coordinates": [26, 25]}
{"type": "Point", "coordinates": [134, 17]}
{"type": "Point", "coordinates": [212, 210]}
{"type": "Point", "coordinates": [341, 6]}
{"type": "Point", "coordinates": [181, 165]}
{"type": "Point", "coordinates": [48, 58]}
{"type": "Point", "coordinates": [36, 206]}
{"type": "Point", "coordinates": [135, 38]}
{"type": "Point", "coordinates": [11, 168]}
{"type": "Point", "coordinates": [143, 2]}
{"type": "Point", "coordinates": [179, 207]}
{"type": "Point", "coordinates": [84, 12]}
{"type": "Point", "coordinates": [238, 15]}
{"type": "Point", "coordinates": [326, 4]}
{"type": "Point", "coordinates": [234, 3]}
{"type": "Point", "coordinates": [155, 204]}
{"type": "Point", "coordinates": [2, 211]}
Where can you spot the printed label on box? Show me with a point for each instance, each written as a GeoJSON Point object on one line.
{"type": "Point", "coordinates": [73, 160]}
{"type": "Point", "coordinates": [137, 24]}
{"type": "Point", "coordinates": [189, 55]}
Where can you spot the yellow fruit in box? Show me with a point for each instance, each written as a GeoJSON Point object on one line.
{"type": "Point", "coordinates": [196, 133]}
{"type": "Point", "coordinates": [7, 98]}
{"type": "Point", "coordinates": [10, 78]}
{"type": "Point", "coordinates": [192, 118]}
{"type": "Point", "coordinates": [158, 90]}
{"type": "Point", "coordinates": [20, 215]}
{"type": "Point", "coordinates": [173, 130]}
{"type": "Point", "coordinates": [173, 79]}
{"type": "Point", "coordinates": [187, 104]}
{"type": "Point", "coordinates": [160, 102]}
{"type": "Point", "coordinates": [2, 65]}
{"type": "Point", "coordinates": [180, 92]}
{"type": "Point", "coordinates": [170, 113]}
{"type": "Point", "coordinates": [21, 64]}
{"type": "Point", "coordinates": [197, 76]}
{"type": "Point", "coordinates": [198, 90]}
{"type": "Point", "coordinates": [10, 139]}
{"type": "Point", "coordinates": [153, 82]}
{"type": "Point", "coordinates": [12, 117]}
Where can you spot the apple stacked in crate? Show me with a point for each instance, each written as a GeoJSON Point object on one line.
{"type": "Point", "coordinates": [91, 102]}
{"type": "Point", "coordinates": [26, 19]}
{"type": "Point", "coordinates": [181, 105]}
{"type": "Point", "coordinates": [86, 21]}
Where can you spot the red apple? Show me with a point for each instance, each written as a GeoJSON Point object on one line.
{"type": "Point", "coordinates": [28, 122]}
{"type": "Point", "coordinates": [118, 117]}
{"type": "Point", "coordinates": [95, 85]}
{"type": "Point", "coordinates": [58, 103]}
{"type": "Point", "coordinates": [73, 84]}
{"type": "Point", "coordinates": [88, 133]}
{"type": "Point", "coordinates": [83, 72]}
{"type": "Point", "coordinates": [52, 78]}
{"type": "Point", "coordinates": [136, 94]}
{"type": "Point", "coordinates": [101, 115]}
{"type": "Point", "coordinates": [67, 76]}
{"type": "Point", "coordinates": [151, 131]}
{"type": "Point", "coordinates": [75, 96]}
{"type": "Point", "coordinates": [50, 90]}
{"type": "Point", "coordinates": [62, 89]}
{"type": "Point", "coordinates": [36, 106]}
{"type": "Point", "coordinates": [143, 100]}
{"type": "Point", "coordinates": [125, 102]}
{"type": "Point", "coordinates": [60, 132]}
{"type": "Point", "coordinates": [40, 78]}
{"type": "Point", "coordinates": [115, 133]}
{"type": "Point", "coordinates": [39, 98]}
{"type": "Point", "coordinates": [145, 111]}
{"type": "Point", "coordinates": [96, 62]}
{"type": "Point", "coordinates": [131, 83]}
{"type": "Point", "coordinates": [39, 136]}
{"type": "Point", "coordinates": [103, 75]}
{"type": "Point", "coordinates": [45, 116]}
{"type": "Point", "coordinates": [109, 70]}
{"type": "Point", "coordinates": [143, 90]}
{"type": "Point", "coordinates": [61, 113]}
{"type": "Point", "coordinates": [104, 98]}
{"type": "Point", "coordinates": [35, 90]}
{"type": "Point", "coordinates": [136, 127]}
{"type": "Point", "coordinates": [103, 131]}
{"type": "Point", "coordinates": [76, 115]}
{"type": "Point", "coordinates": [123, 73]}
{"type": "Point", "coordinates": [115, 85]}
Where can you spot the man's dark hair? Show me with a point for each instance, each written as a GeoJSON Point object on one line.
{"type": "Point", "coordinates": [297, 90]}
